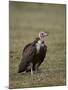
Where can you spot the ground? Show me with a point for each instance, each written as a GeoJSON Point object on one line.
{"type": "Point", "coordinates": [26, 20]}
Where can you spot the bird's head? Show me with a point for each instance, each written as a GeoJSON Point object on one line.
{"type": "Point", "coordinates": [42, 35]}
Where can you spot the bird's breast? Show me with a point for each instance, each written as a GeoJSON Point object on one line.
{"type": "Point", "coordinates": [38, 46]}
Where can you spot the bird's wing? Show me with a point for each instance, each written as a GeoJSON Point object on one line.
{"type": "Point", "coordinates": [27, 58]}
{"type": "Point", "coordinates": [29, 52]}
{"type": "Point", "coordinates": [45, 50]}
{"type": "Point", "coordinates": [26, 47]}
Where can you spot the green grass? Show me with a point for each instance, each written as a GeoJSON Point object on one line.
{"type": "Point", "coordinates": [26, 21]}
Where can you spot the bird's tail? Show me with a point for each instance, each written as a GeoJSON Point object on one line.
{"type": "Point", "coordinates": [22, 66]}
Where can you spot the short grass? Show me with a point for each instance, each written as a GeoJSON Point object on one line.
{"type": "Point", "coordinates": [26, 21]}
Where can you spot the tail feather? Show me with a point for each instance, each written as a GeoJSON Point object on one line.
{"type": "Point", "coordinates": [22, 66]}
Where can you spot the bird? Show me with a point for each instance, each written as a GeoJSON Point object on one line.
{"type": "Point", "coordinates": [33, 54]}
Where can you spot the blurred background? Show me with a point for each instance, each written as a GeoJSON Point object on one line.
{"type": "Point", "coordinates": [26, 20]}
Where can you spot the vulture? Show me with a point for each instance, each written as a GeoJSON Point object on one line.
{"type": "Point", "coordinates": [33, 54]}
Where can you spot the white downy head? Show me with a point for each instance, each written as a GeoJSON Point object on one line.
{"type": "Point", "coordinates": [42, 35]}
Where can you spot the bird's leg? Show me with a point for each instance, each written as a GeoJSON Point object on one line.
{"type": "Point", "coordinates": [36, 68]}
{"type": "Point", "coordinates": [31, 68]}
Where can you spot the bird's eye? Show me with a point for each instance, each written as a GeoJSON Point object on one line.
{"type": "Point", "coordinates": [41, 33]}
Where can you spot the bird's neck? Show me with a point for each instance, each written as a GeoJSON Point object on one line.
{"type": "Point", "coordinates": [40, 42]}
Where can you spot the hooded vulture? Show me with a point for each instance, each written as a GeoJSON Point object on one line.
{"type": "Point", "coordinates": [33, 54]}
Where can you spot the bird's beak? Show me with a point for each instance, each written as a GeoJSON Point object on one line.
{"type": "Point", "coordinates": [46, 34]}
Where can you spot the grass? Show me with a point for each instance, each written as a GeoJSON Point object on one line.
{"type": "Point", "coordinates": [26, 21]}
